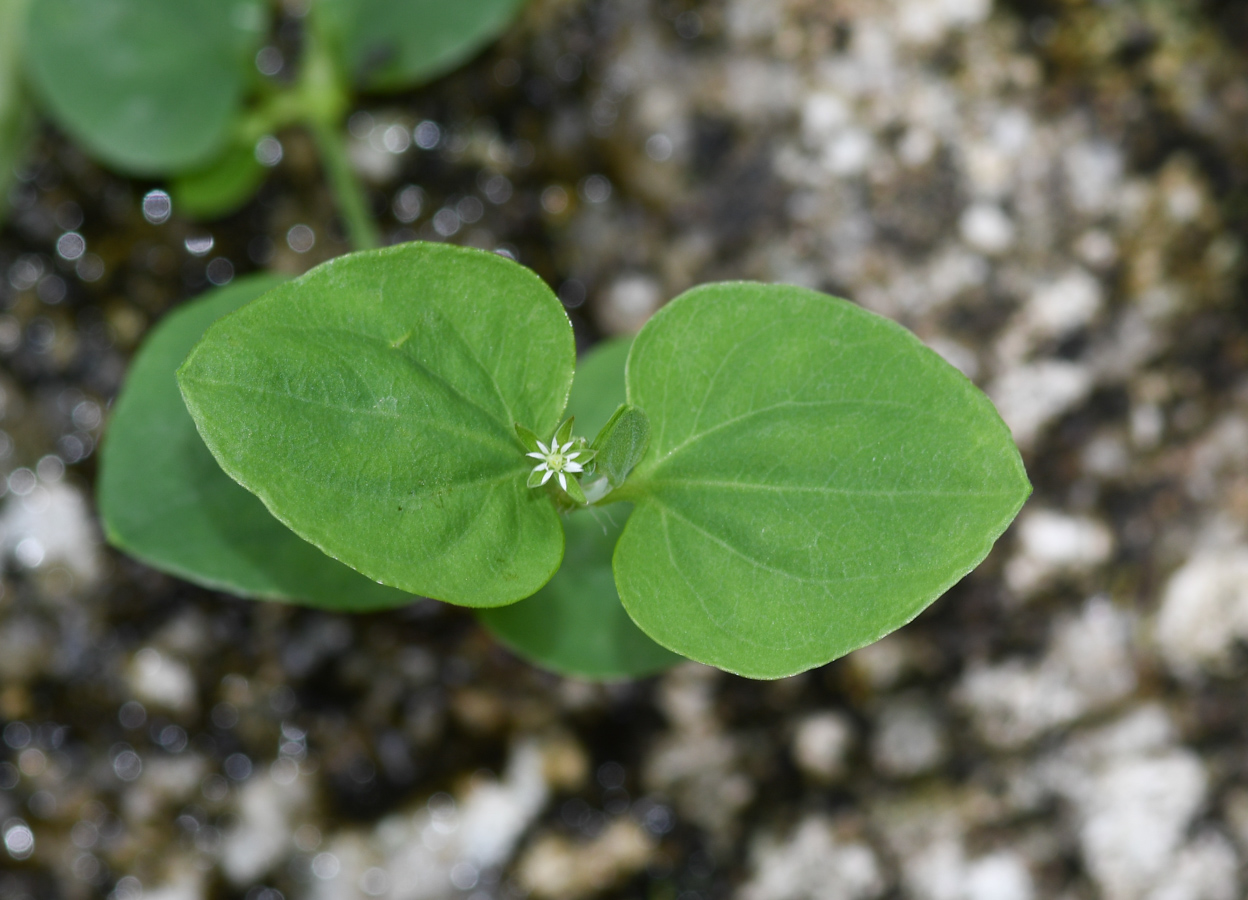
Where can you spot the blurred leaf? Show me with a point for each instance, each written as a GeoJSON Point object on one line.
{"type": "Point", "coordinates": [390, 45]}
{"type": "Point", "coordinates": [164, 499]}
{"type": "Point", "coordinates": [15, 114]}
{"type": "Point", "coordinates": [149, 86]}
{"type": "Point", "coordinates": [220, 188]}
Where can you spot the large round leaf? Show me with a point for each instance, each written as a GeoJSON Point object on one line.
{"type": "Point", "coordinates": [149, 86]}
{"type": "Point", "coordinates": [395, 44]}
{"type": "Point", "coordinates": [164, 499]}
{"type": "Point", "coordinates": [815, 478]}
{"type": "Point", "coordinates": [371, 405]}
{"type": "Point", "coordinates": [575, 625]}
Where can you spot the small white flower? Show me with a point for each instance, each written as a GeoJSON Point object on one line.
{"type": "Point", "coordinates": [557, 461]}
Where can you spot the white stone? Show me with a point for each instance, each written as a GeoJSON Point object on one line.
{"type": "Point", "coordinates": [998, 876]}
{"type": "Point", "coordinates": [1206, 869]}
{"type": "Point", "coordinates": [160, 680]}
{"type": "Point", "coordinates": [909, 739]}
{"type": "Point", "coordinates": [821, 743]}
{"type": "Point", "coordinates": [813, 864]}
{"type": "Point", "coordinates": [928, 21]}
{"type": "Point", "coordinates": [630, 301]}
{"type": "Point", "coordinates": [185, 883]}
{"type": "Point", "coordinates": [1054, 310]}
{"type": "Point", "coordinates": [421, 855]}
{"type": "Point", "coordinates": [1093, 172]}
{"type": "Point", "coordinates": [824, 114]}
{"type": "Point", "coordinates": [1204, 611]}
{"type": "Point", "coordinates": [849, 152]}
{"type": "Point", "coordinates": [557, 868]}
{"type": "Point", "coordinates": [1135, 794]}
{"type": "Point", "coordinates": [986, 228]}
{"type": "Point", "coordinates": [1052, 544]}
{"type": "Point", "coordinates": [1087, 668]}
{"type": "Point", "coordinates": [268, 815]}
{"type": "Point", "coordinates": [1030, 396]}
{"type": "Point", "coordinates": [52, 524]}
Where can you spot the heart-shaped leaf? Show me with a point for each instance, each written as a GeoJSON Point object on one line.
{"type": "Point", "coordinates": [371, 405]}
{"type": "Point", "coordinates": [575, 625]}
{"type": "Point", "coordinates": [816, 477]}
{"type": "Point", "coordinates": [395, 44]}
{"type": "Point", "coordinates": [164, 499]}
{"type": "Point", "coordinates": [150, 86]}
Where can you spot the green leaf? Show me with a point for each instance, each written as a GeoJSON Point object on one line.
{"type": "Point", "coordinates": [391, 45]}
{"type": "Point", "coordinates": [15, 115]}
{"type": "Point", "coordinates": [150, 86]}
{"type": "Point", "coordinates": [816, 477]}
{"type": "Point", "coordinates": [220, 188]}
{"type": "Point", "coordinates": [575, 625]}
{"type": "Point", "coordinates": [371, 405]}
{"type": "Point", "coordinates": [164, 499]}
{"type": "Point", "coordinates": [621, 443]}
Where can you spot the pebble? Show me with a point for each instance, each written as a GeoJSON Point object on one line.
{"type": "Point", "coordinates": [1087, 668]}
{"type": "Point", "coordinates": [1204, 612]}
{"type": "Point", "coordinates": [821, 745]}
{"type": "Point", "coordinates": [1052, 543]}
{"type": "Point", "coordinates": [814, 863]}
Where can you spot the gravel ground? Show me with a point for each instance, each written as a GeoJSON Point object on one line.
{"type": "Point", "coordinates": [1052, 194]}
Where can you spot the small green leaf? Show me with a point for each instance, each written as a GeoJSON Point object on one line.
{"type": "Point", "coordinates": [816, 477]}
{"type": "Point", "coordinates": [527, 438]}
{"type": "Point", "coordinates": [371, 405]}
{"type": "Point", "coordinates": [150, 86]}
{"type": "Point", "coordinates": [391, 45]}
{"type": "Point", "coordinates": [220, 188]}
{"type": "Point", "coordinates": [622, 443]}
{"type": "Point", "coordinates": [574, 491]}
{"type": "Point", "coordinates": [164, 499]}
{"type": "Point", "coordinates": [563, 433]}
{"type": "Point", "coordinates": [575, 625]}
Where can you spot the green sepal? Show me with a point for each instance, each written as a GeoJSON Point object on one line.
{"type": "Point", "coordinates": [622, 443]}
{"type": "Point", "coordinates": [535, 478]}
{"type": "Point", "coordinates": [573, 490]}
{"type": "Point", "coordinates": [563, 433]}
{"type": "Point", "coordinates": [528, 438]}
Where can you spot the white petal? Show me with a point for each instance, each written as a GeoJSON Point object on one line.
{"type": "Point", "coordinates": [541, 468]}
{"type": "Point", "coordinates": [574, 455]}
{"type": "Point", "coordinates": [546, 477]}
{"type": "Point", "coordinates": [574, 467]}
{"type": "Point", "coordinates": [536, 455]}
{"type": "Point", "coordinates": [545, 450]}
{"type": "Point", "coordinates": [566, 447]}
{"type": "Point", "coordinates": [563, 482]}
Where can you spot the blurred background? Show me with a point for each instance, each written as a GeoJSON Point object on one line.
{"type": "Point", "coordinates": [1052, 193]}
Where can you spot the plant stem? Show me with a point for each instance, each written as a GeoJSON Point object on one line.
{"type": "Point", "coordinates": [352, 201]}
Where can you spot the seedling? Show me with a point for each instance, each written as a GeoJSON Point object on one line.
{"type": "Point", "coordinates": [160, 88]}
{"type": "Point", "coordinates": [804, 476]}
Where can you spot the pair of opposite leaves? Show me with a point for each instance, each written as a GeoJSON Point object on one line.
{"type": "Point", "coordinates": [157, 86]}
{"type": "Point", "coordinates": [815, 476]}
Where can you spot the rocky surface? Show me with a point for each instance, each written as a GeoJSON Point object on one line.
{"type": "Point", "coordinates": [1051, 194]}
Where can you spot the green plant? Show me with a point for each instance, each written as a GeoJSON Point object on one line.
{"type": "Point", "coordinates": [159, 88]}
{"type": "Point", "coordinates": [804, 476]}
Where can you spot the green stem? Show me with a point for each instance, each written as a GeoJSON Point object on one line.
{"type": "Point", "coordinates": [352, 201]}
